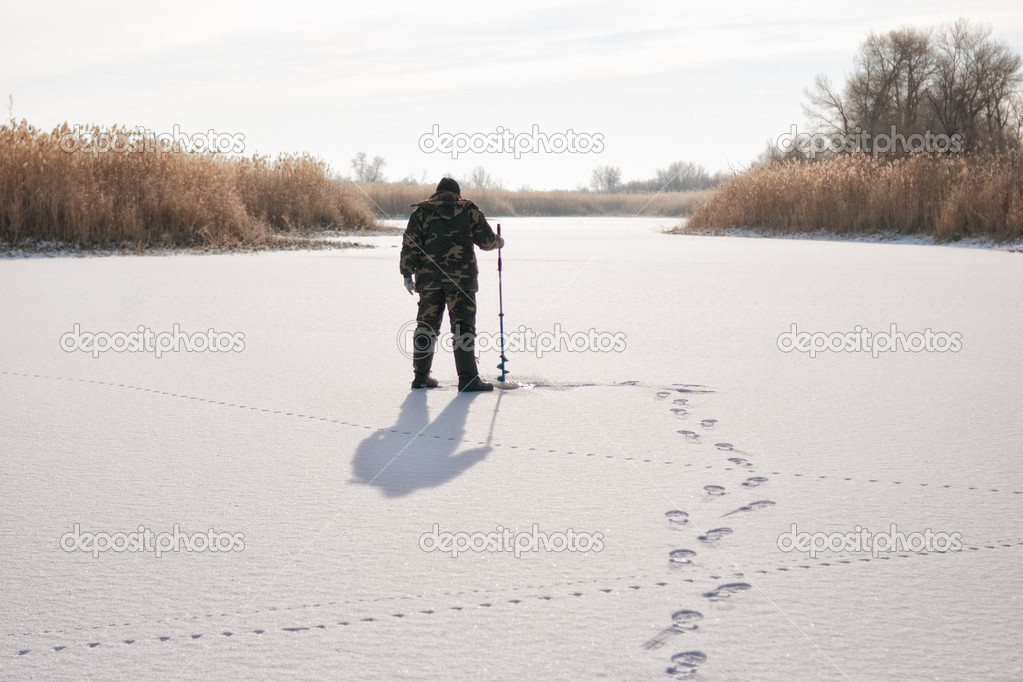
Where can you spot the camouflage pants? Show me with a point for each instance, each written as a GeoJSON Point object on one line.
{"type": "Point", "coordinates": [461, 307]}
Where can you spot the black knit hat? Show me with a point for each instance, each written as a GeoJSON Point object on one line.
{"type": "Point", "coordinates": [449, 185]}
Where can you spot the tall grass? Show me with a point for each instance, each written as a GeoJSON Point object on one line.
{"type": "Point", "coordinates": [296, 192]}
{"type": "Point", "coordinates": [947, 198]}
{"type": "Point", "coordinates": [395, 200]}
{"type": "Point", "coordinates": [141, 197]}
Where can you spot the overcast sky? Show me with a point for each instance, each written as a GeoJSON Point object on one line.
{"type": "Point", "coordinates": [707, 82]}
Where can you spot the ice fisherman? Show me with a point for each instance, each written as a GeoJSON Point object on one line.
{"type": "Point", "coordinates": [438, 260]}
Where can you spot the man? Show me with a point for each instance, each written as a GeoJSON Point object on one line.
{"type": "Point", "coordinates": [437, 250]}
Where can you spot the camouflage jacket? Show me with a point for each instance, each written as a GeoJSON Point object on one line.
{"type": "Point", "coordinates": [438, 244]}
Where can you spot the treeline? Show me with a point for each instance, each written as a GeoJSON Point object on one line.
{"type": "Point", "coordinates": [394, 200]}
{"type": "Point", "coordinates": [681, 176]}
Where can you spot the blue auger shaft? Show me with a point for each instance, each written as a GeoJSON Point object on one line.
{"type": "Point", "coordinates": [500, 307]}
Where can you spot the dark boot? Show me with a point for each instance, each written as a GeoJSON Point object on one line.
{"type": "Point", "coordinates": [422, 359]}
{"type": "Point", "coordinates": [424, 382]}
{"type": "Point", "coordinates": [473, 385]}
{"type": "Point", "coordinates": [468, 375]}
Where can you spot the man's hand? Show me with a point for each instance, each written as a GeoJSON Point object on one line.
{"type": "Point", "coordinates": [409, 285]}
{"type": "Point", "coordinates": [500, 242]}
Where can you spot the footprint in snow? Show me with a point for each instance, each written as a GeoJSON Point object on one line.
{"type": "Point", "coordinates": [692, 388]}
{"type": "Point", "coordinates": [677, 517]}
{"type": "Point", "coordinates": [708, 423]}
{"type": "Point", "coordinates": [690, 436]}
{"type": "Point", "coordinates": [740, 461]}
{"type": "Point", "coordinates": [754, 481]}
{"type": "Point", "coordinates": [715, 490]}
{"type": "Point", "coordinates": [722, 592]}
{"type": "Point", "coordinates": [686, 620]}
{"type": "Point", "coordinates": [714, 534]}
{"type": "Point", "coordinates": [681, 556]}
{"type": "Point", "coordinates": [728, 447]}
{"type": "Point", "coordinates": [663, 394]}
{"type": "Point", "coordinates": [752, 506]}
{"type": "Point", "coordinates": [685, 664]}
{"type": "Point", "coordinates": [681, 622]}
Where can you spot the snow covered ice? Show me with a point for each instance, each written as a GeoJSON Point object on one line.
{"type": "Point", "coordinates": [681, 459]}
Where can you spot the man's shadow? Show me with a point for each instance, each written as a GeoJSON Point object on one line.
{"type": "Point", "coordinates": [417, 452]}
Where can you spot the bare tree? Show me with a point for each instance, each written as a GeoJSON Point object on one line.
{"type": "Point", "coordinates": [682, 176]}
{"type": "Point", "coordinates": [976, 87]}
{"type": "Point", "coordinates": [368, 171]}
{"type": "Point", "coordinates": [953, 80]}
{"type": "Point", "coordinates": [606, 179]}
{"type": "Point", "coordinates": [480, 179]}
{"type": "Point", "coordinates": [888, 87]}
{"type": "Point", "coordinates": [827, 108]}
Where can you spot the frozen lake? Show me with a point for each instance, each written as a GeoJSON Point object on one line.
{"type": "Point", "coordinates": [300, 454]}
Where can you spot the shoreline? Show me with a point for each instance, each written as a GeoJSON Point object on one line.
{"type": "Point", "coordinates": [347, 239]}
{"type": "Point", "coordinates": [316, 241]}
{"type": "Point", "coordinates": [869, 238]}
